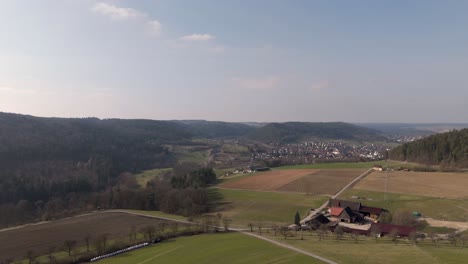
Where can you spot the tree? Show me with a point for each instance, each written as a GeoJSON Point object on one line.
{"type": "Point", "coordinates": [394, 235]}
{"type": "Point", "coordinates": [274, 227]}
{"type": "Point", "coordinates": [413, 238]}
{"type": "Point", "coordinates": [375, 232]}
{"type": "Point", "coordinates": [251, 225]}
{"type": "Point", "coordinates": [68, 245]}
{"type": "Point", "coordinates": [385, 218]}
{"type": "Point", "coordinates": [453, 238]}
{"type": "Point", "coordinates": [284, 230]}
{"type": "Point", "coordinates": [322, 231]}
{"type": "Point", "coordinates": [30, 256]}
{"type": "Point", "coordinates": [87, 240]}
{"type": "Point", "coordinates": [226, 223]}
{"type": "Point", "coordinates": [297, 219]}
{"type": "Point", "coordinates": [50, 254]}
{"type": "Point", "coordinates": [149, 232]}
{"type": "Point", "coordinates": [434, 238]}
{"type": "Point", "coordinates": [100, 243]}
{"type": "Point", "coordinates": [464, 239]}
{"type": "Point", "coordinates": [354, 236]}
{"type": "Point", "coordinates": [339, 231]}
{"type": "Point", "coordinates": [259, 225]}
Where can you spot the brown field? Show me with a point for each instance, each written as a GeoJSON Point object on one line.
{"type": "Point", "coordinates": [39, 238]}
{"type": "Point", "coordinates": [323, 181]}
{"type": "Point", "coordinates": [327, 181]}
{"type": "Point", "coordinates": [433, 184]}
{"type": "Point", "coordinates": [269, 181]}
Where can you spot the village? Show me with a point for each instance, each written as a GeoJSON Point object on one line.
{"type": "Point", "coordinates": [310, 152]}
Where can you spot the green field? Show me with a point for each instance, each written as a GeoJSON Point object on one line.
{"type": "Point", "coordinates": [245, 207]}
{"type": "Point", "coordinates": [382, 251]}
{"type": "Point", "coordinates": [211, 248]}
{"type": "Point", "coordinates": [344, 165]}
{"type": "Point", "coordinates": [437, 208]}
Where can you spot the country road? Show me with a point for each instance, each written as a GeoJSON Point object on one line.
{"type": "Point", "coordinates": [358, 178]}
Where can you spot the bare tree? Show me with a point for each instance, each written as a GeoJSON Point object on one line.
{"type": "Point", "coordinates": [274, 227]}
{"type": "Point", "coordinates": [175, 227]}
{"type": "Point", "coordinates": [322, 232]}
{"type": "Point", "coordinates": [434, 238]}
{"type": "Point", "coordinates": [284, 231]}
{"type": "Point", "coordinates": [226, 223]}
{"type": "Point", "coordinates": [148, 232]}
{"type": "Point", "coordinates": [339, 231]}
{"type": "Point", "coordinates": [30, 256]}
{"type": "Point", "coordinates": [375, 232]}
{"type": "Point", "coordinates": [354, 236]}
{"type": "Point", "coordinates": [100, 243]}
{"type": "Point", "coordinates": [87, 240]}
{"type": "Point", "coordinates": [251, 225]}
{"type": "Point", "coordinates": [50, 254]}
{"type": "Point", "coordinates": [453, 238]}
{"type": "Point", "coordinates": [68, 245]}
{"type": "Point", "coordinates": [413, 238]}
{"type": "Point", "coordinates": [394, 235]}
{"type": "Point", "coordinates": [463, 240]}
{"type": "Point", "coordinates": [260, 225]}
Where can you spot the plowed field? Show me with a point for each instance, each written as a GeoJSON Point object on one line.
{"type": "Point", "coordinates": [327, 181]}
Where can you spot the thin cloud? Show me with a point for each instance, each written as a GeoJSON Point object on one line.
{"type": "Point", "coordinates": [124, 13]}
{"type": "Point", "coordinates": [256, 84]}
{"type": "Point", "coordinates": [319, 86]}
{"type": "Point", "coordinates": [154, 27]}
{"type": "Point", "coordinates": [11, 90]}
{"type": "Point", "coordinates": [115, 12]}
{"type": "Point", "coordinates": [197, 37]}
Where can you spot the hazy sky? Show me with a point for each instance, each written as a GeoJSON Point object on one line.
{"type": "Point", "coordinates": [252, 60]}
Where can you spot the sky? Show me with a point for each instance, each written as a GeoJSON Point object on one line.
{"type": "Point", "coordinates": [256, 60]}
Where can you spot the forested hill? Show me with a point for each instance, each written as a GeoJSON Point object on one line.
{"type": "Point", "coordinates": [292, 132]}
{"type": "Point", "coordinates": [447, 149]}
{"type": "Point", "coordinates": [128, 144]}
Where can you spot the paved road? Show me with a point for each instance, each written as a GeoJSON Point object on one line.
{"type": "Point", "coordinates": [318, 210]}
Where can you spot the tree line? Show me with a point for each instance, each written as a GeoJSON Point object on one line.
{"type": "Point", "coordinates": [446, 149]}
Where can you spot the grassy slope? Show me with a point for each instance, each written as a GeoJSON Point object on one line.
{"type": "Point", "coordinates": [443, 209]}
{"type": "Point", "coordinates": [212, 248]}
{"type": "Point", "coordinates": [367, 250]}
{"type": "Point", "coordinates": [146, 176]}
{"type": "Point", "coordinates": [251, 206]}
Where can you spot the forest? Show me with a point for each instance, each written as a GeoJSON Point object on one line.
{"type": "Point", "coordinates": [448, 150]}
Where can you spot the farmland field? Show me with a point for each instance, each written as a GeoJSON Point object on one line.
{"type": "Point", "coordinates": [228, 248]}
{"type": "Point", "coordinates": [433, 184]}
{"type": "Point", "coordinates": [244, 206]}
{"type": "Point", "coordinates": [326, 181]}
{"type": "Point", "coordinates": [369, 251]}
{"type": "Point", "coordinates": [39, 238]}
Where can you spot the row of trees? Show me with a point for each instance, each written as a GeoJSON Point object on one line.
{"type": "Point", "coordinates": [447, 149]}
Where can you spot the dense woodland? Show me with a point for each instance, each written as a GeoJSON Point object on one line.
{"type": "Point", "coordinates": [447, 149]}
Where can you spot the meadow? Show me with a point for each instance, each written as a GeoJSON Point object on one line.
{"type": "Point", "coordinates": [244, 206]}
{"type": "Point", "coordinates": [433, 184]}
{"type": "Point", "coordinates": [229, 248]}
{"type": "Point", "coordinates": [380, 251]}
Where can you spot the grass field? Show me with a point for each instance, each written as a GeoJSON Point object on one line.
{"type": "Point", "coordinates": [228, 248]}
{"type": "Point", "coordinates": [384, 251]}
{"type": "Point", "coordinates": [442, 209]}
{"type": "Point", "coordinates": [434, 184]}
{"type": "Point", "coordinates": [39, 238]}
{"type": "Point", "coordinates": [245, 207]}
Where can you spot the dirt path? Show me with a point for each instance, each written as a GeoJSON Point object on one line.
{"type": "Point", "coordinates": [460, 226]}
{"type": "Point", "coordinates": [307, 253]}
{"type": "Point", "coordinates": [318, 210]}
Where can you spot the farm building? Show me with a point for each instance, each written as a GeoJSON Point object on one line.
{"type": "Point", "coordinates": [345, 215]}
{"type": "Point", "coordinates": [316, 221]}
{"type": "Point", "coordinates": [385, 229]}
{"type": "Point", "coordinates": [355, 206]}
{"type": "Point", "coordinates": [358, 208]}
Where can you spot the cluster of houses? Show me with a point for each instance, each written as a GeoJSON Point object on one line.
{"type": "Point", "coordinates": [354, 217]}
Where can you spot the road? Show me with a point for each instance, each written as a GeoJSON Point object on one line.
{"type": "Point", "coordinates": [243, 231]}
{"type": "Point", "coordinates": [318, 210]}
{"type": "Point", "coordinates": [460, 226]}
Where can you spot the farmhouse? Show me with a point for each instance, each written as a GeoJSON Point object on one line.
{"type": "Point", "coordinates": [365, 211]}
{"type": "Point", "coordinates": [345, 215]}
{"type": "Point", "coordinates": [316, 221]}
